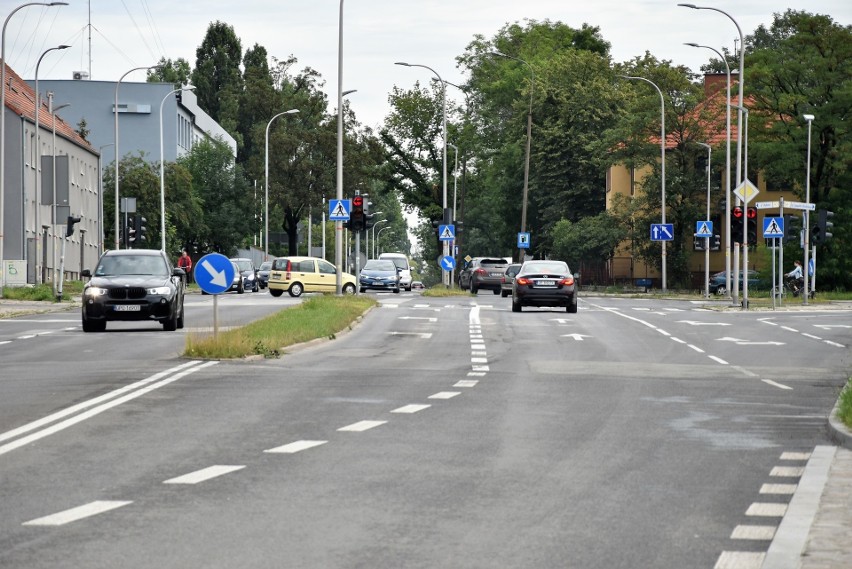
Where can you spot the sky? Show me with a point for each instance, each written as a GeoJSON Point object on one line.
{"type": "Point", "coordinates": [376, 33]}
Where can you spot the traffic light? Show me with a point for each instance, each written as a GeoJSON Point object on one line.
{"type": "Point", "coordinates": [821, 232]}
{"type": "Point", "coordinates": [737, 225]}
{"type": "Point", "coordinates": [459, 225]}
{"type": "Point", "coordinates": [698, 243]}
{"type": "Point", "coordinates": [751, 216]}
{"type": "Point", "coordinates": [71, 222]}
{"type": "Point", "coordinates": [356, 218]}
{"type": "Point", "coordinates": [716, 243]}
{"type": "Point", "coordinates": [130, 233]}
{"type": "Point", "coordinates": [141, 229]}
{"type": "Point", "coordinates": [792, 227]}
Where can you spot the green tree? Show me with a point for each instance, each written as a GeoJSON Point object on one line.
{"type": "Point", "coordinates": [217, 77]}
{"type": "Point", "coordinates": [176, 72]}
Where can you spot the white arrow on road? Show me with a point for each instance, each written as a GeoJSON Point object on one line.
{"type": "Point", "coordinates": [218, 276]}
{"type": "Point", "coordinates": [696, 323]}
{"type": "Point", "coordinates": [578, 337]}
{"type": "Point", "coordinates": [740, 342]}
{"type": "Point", "coordinates": [827, 326]}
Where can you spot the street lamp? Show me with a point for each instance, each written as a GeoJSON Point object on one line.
{"type": "Point", "coordinates": [162, 170]}
{"type": "Point", "coordinates": [376, 249]}
{"type": "Point", "coordinates": [662, 161]}
{"type": "Point", "coordinates": [707, 239]}
{"type": "Point", "coordinates": [37, 198]}
{"type": "Point", "coordinates": [117, 155]}
{"type": "Point", "coordinates": [521, 252]}
{"type": "Point", "coordinates": [3, 132]}
{"type": "Point", "coordinates": [455, 182]}
{"type": "Point", "coordinates": [53, 110]}
{"type": "Point", "coordinates": [338, 225]}
{"type": "Point", "coordinates": [374, 233]}
{"type": "Point", "coordinates": [266, 180]}
{"type": "Point", "coordinates": [744, 270]}
{"type": "Point", "coordinates": [810, 119]}
{"type": "Point", "coordinates": [727, 166]}
{"type": "Point", "coordinates": [444, 145]}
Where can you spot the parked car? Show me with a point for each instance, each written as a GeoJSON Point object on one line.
{"type": "Point", "coordinates": [508, 277]}
{"type": "Point", "coordinates": [483, 272]}
{"type": "Point", "coordinates": [133, 284]}
{"type": "Point", "coordinates": [249, 274]}
{"type": "Point", "coordinates": [717, 282]}
{"type": "Point", "coordinates": [401, 261]}
{"type": "Point", "coordinates": [379, 274]}
{"type": "Point", "coordinates": [297, 275]}
{"type": "Point", "coordinates": [263, 274]}
{"type": "Point", "coordinates": [544, 283]}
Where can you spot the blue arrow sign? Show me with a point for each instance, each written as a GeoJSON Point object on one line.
{"type": "Point", "coordinates": [214, 273]}
{"type": "Point", "coordinates": [773, 227]}
{"type": "Point", "coordinates": [662, 232]}
{"type": "Point", "coordinates": [523, 240]}
{"type": "Point", "coordinates": [338, 210]}
{"type": "Point", "coordinates": [704, 229]}
{"type": "Point", "coordinates": [447, 263]}
{"type": "Point", "coordinates": [447, 232]}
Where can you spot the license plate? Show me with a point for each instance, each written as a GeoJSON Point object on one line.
{"type": "Point", "coordinates": [543, 282]}
{"type": "Point", "coordinates": [127, 307]}
{"type": "Point", "coordinates": [496, 274]}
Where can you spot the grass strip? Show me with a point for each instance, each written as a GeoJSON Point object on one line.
{"type": "Point", "coordinates": [844, 410]}
{"type": "Point", "coordinates": [318, 317]}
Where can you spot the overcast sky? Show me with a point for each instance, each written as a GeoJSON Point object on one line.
{"type": "Point", "coordinates": [130, 33]}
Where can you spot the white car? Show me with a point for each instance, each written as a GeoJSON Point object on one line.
{"type": "Point", "coordinates": [401, 262]}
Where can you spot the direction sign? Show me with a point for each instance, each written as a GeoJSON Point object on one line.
{"type": "Point", "coordinates": [447, 263]}
{"type": "Point", "coordinates": [773, 227]}
{"type": "Point", "coordinates": [338, 210]}
{"type": "Point", "coordinates": [446, 232]}
{"type": "Point", "coordinates": [523, 240]}
{"type": "Point", "coordinates": [800, 205]}
{"type": "Point", "coordinates": [746, 191]}
{"type": "Point", "coordinates": [662, 232]}
{"type": "Point", "coordinates": [704, 229]}
{"type": "Point", "coordinates": [214, 273]}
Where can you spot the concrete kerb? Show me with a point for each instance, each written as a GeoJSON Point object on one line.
{"type": "Point", "coordinates": [839, 433]}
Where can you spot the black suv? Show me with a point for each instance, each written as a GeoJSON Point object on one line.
{"type": "Point", "coordinates": [133, 284]}
{"type": "Point", "coordinates": [483, 272]}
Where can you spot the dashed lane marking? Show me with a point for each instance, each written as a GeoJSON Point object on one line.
{"type": "Point", "coordinates": [739, 560]}
{"type": "Point", "coordinates": [767, 510]}
{"type": "Point", "coordinates": [413, 408]}
{"type": "Point", "coordinates": [466, 383]}
{"type": "Point", "coordinates": [445, 395]}
{"type": "Point", "coordinates": [205, 474]}
{"type": "Point", "coordinates": [78, 513]}
{"type": "Point", "coordinates": [361, 426]}
{"type": "Point", "coordinates": [294, 447]}
{"type": "Point", "coordinates": [758, 533]}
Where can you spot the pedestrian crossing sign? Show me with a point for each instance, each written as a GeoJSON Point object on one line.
{"type": "Point", "coordinates": [704, 228]}
{"type": "Point", "coordinates": [338, 210]}
{"type": "Point", "coordinates": [773, 227]}
{"type": "Point", "coordinates": [446, 232]}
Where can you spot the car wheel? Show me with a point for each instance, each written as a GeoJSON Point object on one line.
{"type": "Point", "coordinates": [241, 288]}
{"type": "Point", "coordinates": [90, 326]}
{"type": "Point", "coordinates": [396, 291]}
{"type": "Point", "coordinates": [504, 293]}
{"type": "Point", "coordinates": [408, 289]}
{"type": "Point", "coordinates": [572, 308]}
{"type": "Point", "coordinates": [473, 289]}
{"type": "Point", "coordinates": [256, 287]}
{"type": "Point", "coordinates": [349, 288]}
{"type": "Point", "coordinates": [170, 325]}
{"type": "Point", "coordinates": [362, 290]}
{"type": "Point", "coordinates": [721, 291]}
{"type": "Point", "coordinates": [276, 292]}
{"type": "Point", "coordinates": [181, 316]}
{"type": "Point", "coordinates": [516, 306]}
{"type": "Point", "coordinates": [296, 290]}
{"type": "Point", "coordinates": [495, 291]}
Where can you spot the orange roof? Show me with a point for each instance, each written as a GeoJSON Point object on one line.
{"type": "Point", "coordinates": [20, 98]}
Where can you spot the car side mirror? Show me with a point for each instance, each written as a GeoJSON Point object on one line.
{"type": "Point", "coordinates": [178, 272]}
{"type": "Point", "coordinates": [86, 273]}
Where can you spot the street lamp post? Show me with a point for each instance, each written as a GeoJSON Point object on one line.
{"type": "Point", "coordinates": [662, 163]}
{"type": "Point", "coordinates": [3, 133]}
{"type": "Point", "coordinates": [744, 270]}
{"type": "Point", "coordinates": [338, 225]}
{"type": "Point", "coordinates": [455, 183]}
{"type": "Point", "coordinates": [117, 155]}
{"type": "Point", "coordinates": [266, 181]}
{"type": "Point", "coordinates": [727, 167]}
{"type": "Point", "coordinates": [522, 252]}
{"type": "Point", "coordinates": [445, 274]}
{"type": "Point", "coordinates": [374, 234]}
{"type": "Point", "coordinates": [707, 239]}
{"type": "Point", "coordinates": [376, 249]}
{"type": "Point", "coordinates": [810, 119]}
{"type": "Point", "coordinates": [53, 110]}
{"type": "Point", "coordinates": [163, 172]}
{"type": "Point", "coordinates": [37, 192]}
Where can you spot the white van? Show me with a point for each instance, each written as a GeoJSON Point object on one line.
{"type": "Point", "coordinates": [401, 262]}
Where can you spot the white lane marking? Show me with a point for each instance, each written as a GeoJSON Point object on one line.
{"type": "Point", "coordinates": [140, 387]}
{"type": "Point", "coordinates": [478, 353]}
{"type": "Point", "coordinates": [678, 340]}
{"type": "Point", "coordinates": [294, 447]}
{"type": "Point", "coordinates": [479, 360]}
{"type": "Point", "coordinates": [78, 513]}
{"type": "Point", "coordinates": [811, 336]}
{"type": "Point", "coordinates": [789, 329]}
{"type": "Point", "coordinates": [795, 456]}
{"type": "Point", "coordinates": [741, 342]}
{"type": "Point", "coordinates": [45, 321]}
{"type": "Point", "coordinates": [5, 342]}
{"type": "Point", "coordinates": [696, 348]}
{"type": "Point", "coordinates": [787, 471]}
{"type": "Point", "coordinates": [739, 560]}
{"type": "Point", "coordinates": [767, 510]}
{"type": "Point", "coordinates": [830, 343]}
{"type": "Point", "coordinates": [480, 368]}
{"type": "Point", "coordinates": [775, 384]}
{"type": "Point", "coordinates": [204, 474]}
{"type": "Point", "coordinates": [475, 374]}
{"type": "Point", "coordinates": [427, 318]}
{"type": "Point", "coordinates": [744, 371]}
{"type": "Point", "coordinates": [413, 408]}
{"type": "Point", "coordinates": [475, 337]}
{"type": "Point", "coordinates": [466, 383]}
{"type": "Point", "coordinates": [782, 489]}
{"type": "Point", "coordinates": [361, 426]}
{"type": "Point", "coordinates": [445, 395]}
{"type": "Point", "coordinates": [718, 360]}
{"type": "Point", "coordinates": [27, 337]}
{"type": "Point", "coordinates": [424, 335]}
{"type": "Point", "coordinates": [663, 332]}
{"type": "Point", "coordinates": [577, 337]}
{"type": "Point", "coordinates": [699, 323]}
{"type": "Point", "coordinates": [754, 532]}
{"type": "Point", "coordinates": [828, 326]}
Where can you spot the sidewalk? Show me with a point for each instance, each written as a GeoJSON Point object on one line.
{"type": "Point", "coordinates": [10, 308]}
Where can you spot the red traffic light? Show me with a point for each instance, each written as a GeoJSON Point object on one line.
{"type": "Point", "coordinates": [358, 201]}
{"type": "Point", "coordinates": [751, 213]}
{"type": "Point", "coordinates": [737, 212]}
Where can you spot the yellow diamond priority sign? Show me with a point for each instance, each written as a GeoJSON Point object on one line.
{"type": "Point", "coordinates": [746, 191]}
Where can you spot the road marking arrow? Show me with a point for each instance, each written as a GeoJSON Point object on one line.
{"type": "Point", "coordinates": [696, 323]}
{"type": "Point", "coordinates": [578, 337]}
{"type": "Point", "coordinates": [218, 276]}
{"type": "Point", "coordinates": [740, 342]}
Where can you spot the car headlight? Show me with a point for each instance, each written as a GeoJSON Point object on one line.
{"type": "Point", "coordinates": [162, 290]}
{"type": "Point", "coordinates": [95, 291]}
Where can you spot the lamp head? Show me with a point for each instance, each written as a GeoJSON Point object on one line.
{"type": "Point", "coordinates": [693, 6]}
{"type": "Point", "coordinates": [291, 112]}
{"type": "Point", "coordinates": [402, 63]}
{"type": "Point", "coordinates": [58, 4]}
{"type": "Point", "coordinates": [349, 92]}
{"type": "Point", "coordinates": [691, 44]}
{"type": "Point", "coordinates": [808, 118]}
{"type": "Point", "coordinates": [500, 53]}
{"type": "Point", "coordinates": [63, 46]}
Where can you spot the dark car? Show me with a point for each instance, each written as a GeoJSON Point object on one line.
{"type": "Point", "coordinates": [544, 283]}
{"type": "Point", "coordinates": [380, 274]}
{"type": "Point", "coordinates": [249, 274]}
{"type": "Point", "coordinates": [717, 282]}
{"type": "Point", "coordinates": [133, 284]}
{"type": "Point", "coordinates": [238, 284]}
{"type": "Point", "coordinates": [508, 277]}
{"type": "Point", "coordinates": [483, 272]}
{"type": "Point", "coordinates": [263, 274]}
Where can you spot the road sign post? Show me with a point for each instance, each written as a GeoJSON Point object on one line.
{"type": "Point", "coordinates": [214, 274]}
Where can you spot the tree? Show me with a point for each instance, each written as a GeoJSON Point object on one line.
{"type": "Point", "coordinates": [176, 72]}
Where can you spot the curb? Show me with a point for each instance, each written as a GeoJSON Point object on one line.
{"type": "Point", "coordinates": [838, 432]}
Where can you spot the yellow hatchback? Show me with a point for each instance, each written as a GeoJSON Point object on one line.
{"type": "Point", "coordinates": [297, 275]}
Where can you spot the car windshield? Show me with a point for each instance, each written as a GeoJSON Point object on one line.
{"type": "Point", "coordinates": [112, 265]}
{"type": "Point", "coordinates": [494, 262]}
{"type": "Point", "coordinates": [379, 265]}
{"type": "Point", "coordinates": [399, 262]}
{"type": "Point", "coordinates": [265, 266]}
{"type": "Point", "coordinates": [547, 267]}
{"type": "Point", "coordinates": [244, 264]}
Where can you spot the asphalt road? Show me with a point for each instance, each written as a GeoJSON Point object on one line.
{"type": "Point", "coordinates": [438, 433]}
